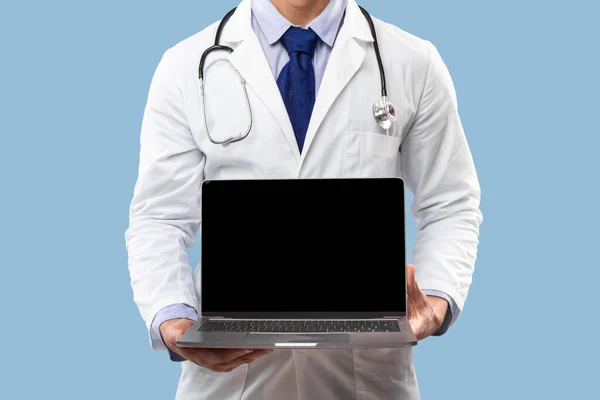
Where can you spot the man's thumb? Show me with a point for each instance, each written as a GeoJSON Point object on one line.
{"type": "Point", "coordinates": [411, 283]}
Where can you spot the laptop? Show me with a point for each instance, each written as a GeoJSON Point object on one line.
{"type": "Point", "coordinates": [302, 263]}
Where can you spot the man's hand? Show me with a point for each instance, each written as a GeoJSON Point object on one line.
{"type": "Point", "coordinates": [218, 360]}
{"type": "Point", "coordinates": [425, 313]}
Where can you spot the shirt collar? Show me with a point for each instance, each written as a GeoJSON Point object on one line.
{"type": "Point", "coordinates": [274, 25]}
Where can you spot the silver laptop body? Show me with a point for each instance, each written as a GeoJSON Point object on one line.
{"type": "Point", "coordinates": [302, 263]}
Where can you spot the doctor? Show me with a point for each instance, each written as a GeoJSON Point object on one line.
{"type": "Point", "coordinates": [310, 76]}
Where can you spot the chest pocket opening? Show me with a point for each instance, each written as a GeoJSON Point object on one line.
{"type": "Point", "coordinates": [371, 155]}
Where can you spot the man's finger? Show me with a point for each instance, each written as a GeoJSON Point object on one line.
{"type": "Point", "coordinates": [208, 357]}
{"type": "Point", "coordinates": [219, 356]}
{"type": "Point", "coordinates": [228, 367]}
{"type": "Point", "coordinates": [246, 359]}
{"type": "Point", "coordinates": [259, 353]}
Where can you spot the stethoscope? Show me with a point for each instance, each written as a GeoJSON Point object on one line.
{"type": "Point", "coordinates": [383, 110]}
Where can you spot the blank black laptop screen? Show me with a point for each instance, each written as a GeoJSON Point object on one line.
{"type": "Point", "coordinates": [304, 246]}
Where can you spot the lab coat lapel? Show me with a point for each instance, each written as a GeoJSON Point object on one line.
{"type": "Point", "coordinates": [346, 58]}
{"type": "Point", "coordinates": [250, 61]}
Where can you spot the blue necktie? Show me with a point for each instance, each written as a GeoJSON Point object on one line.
{"type": "Point", "coordinates": [296, 80]}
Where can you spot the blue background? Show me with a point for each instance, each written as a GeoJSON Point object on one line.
{"type": "Point", "coordinates": [73, 82]}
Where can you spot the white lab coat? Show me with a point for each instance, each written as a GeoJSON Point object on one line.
{"type": "Point", "coordinates": [343, 140]}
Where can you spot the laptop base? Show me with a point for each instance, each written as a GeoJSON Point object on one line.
{"type": "Point", "coordinates": [298, 340]}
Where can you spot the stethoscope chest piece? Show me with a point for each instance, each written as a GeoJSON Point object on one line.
{"type": "Point", "coordinates": [384, 112]}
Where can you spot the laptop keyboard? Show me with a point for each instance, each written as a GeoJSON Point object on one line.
{"type": "Point", "coordinates": [300, 326]}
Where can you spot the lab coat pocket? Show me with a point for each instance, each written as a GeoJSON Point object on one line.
{"type": "Point", "coordinates": [371, 155]}
{"type": "Point", "coordinates": [385, 374]}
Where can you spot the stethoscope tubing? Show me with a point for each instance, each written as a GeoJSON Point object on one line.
{"type": "Point", "coordinates": [383, 111]}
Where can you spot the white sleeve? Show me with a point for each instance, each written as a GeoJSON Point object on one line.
{"type": "Point", "coordinates": [438, 169]}
{"type": "Point", "coordinates": [165, 210]}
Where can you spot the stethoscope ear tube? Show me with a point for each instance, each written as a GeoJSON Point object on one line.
{"type": "Point", "coordinates": [217, 45]}
{"type": "Point", "coordinates": [222, 25]}
{"type": "Point", "coordinates": [377, 52]}
{"type": "Point", "coordinates": [206, 54]}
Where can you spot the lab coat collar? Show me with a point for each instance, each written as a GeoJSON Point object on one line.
{"type": "Point", "coordinates": [359, 27]}
{"type": "Point", "coordinates": [274, 25]}
{"type": "Point", "coordinates": [239, 26]}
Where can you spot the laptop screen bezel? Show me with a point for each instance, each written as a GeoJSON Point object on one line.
{"type": "Point", "coordinates": [310, 314]}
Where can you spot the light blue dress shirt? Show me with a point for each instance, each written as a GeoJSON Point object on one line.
{"type": "Point", "coordinates": [269, 25]}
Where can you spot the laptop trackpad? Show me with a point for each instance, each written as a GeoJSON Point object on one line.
{"type": "Point", "coordinates": [270, 338]}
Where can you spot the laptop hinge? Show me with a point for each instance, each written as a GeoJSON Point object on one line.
{"type": "Point", "coordinates": [390, 317]}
